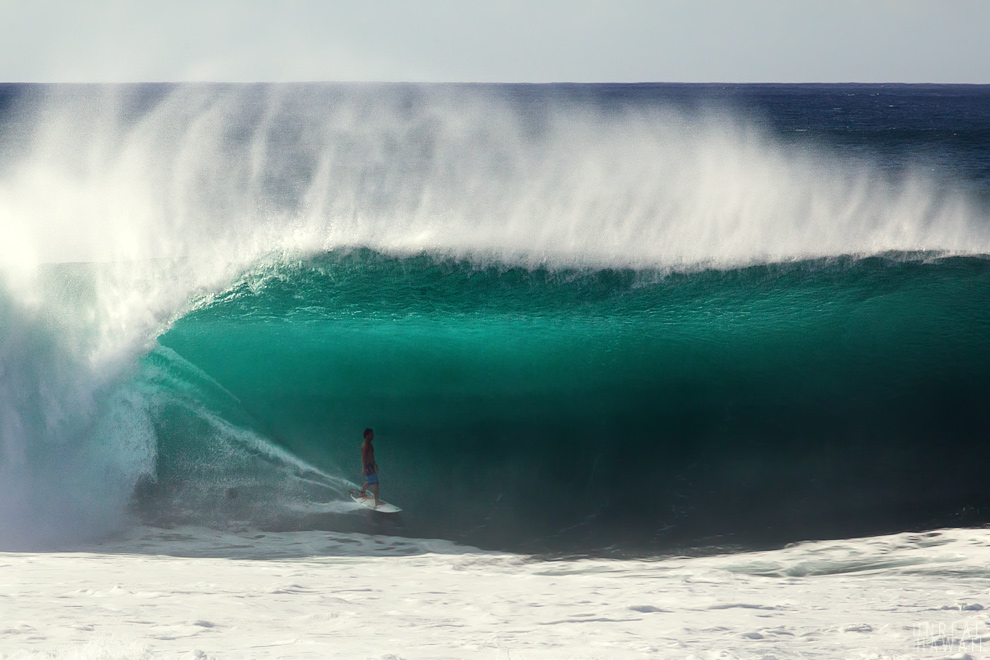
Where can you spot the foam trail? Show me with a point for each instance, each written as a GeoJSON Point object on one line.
{"type": "Point", "coordinates": [215, 464]}
{"type": "Point", "coordinates": [176, 191]}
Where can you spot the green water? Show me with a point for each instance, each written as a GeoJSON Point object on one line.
{"type": "Point", "coordinates": [511, 405]}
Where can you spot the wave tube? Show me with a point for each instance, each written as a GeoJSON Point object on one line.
{"type": "Point", "coordinates": [166, 195]}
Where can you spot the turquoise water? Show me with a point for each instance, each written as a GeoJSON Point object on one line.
{"type": "Point", "coordinates": [571, 408]}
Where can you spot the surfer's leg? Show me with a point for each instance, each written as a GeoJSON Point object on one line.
{"type": "Point", "coordinates": [373, 480]}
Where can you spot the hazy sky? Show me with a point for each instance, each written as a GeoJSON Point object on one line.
{"type": "Point", "coordinates": [507, 40]}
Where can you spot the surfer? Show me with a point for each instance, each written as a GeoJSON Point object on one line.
{"type": "Point", "coordinates": [370, 467]}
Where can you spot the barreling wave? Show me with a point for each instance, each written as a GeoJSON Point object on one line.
{"type": "Point", "coordinates": [596, 408]}
{"type": "Point", "coordinates": [557, 302]}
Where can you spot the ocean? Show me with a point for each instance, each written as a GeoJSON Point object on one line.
{"type": "Point", "coordinates": [588, 324]}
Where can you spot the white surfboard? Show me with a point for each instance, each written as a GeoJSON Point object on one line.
{"type": "Point", "coordinates": [368, 500]}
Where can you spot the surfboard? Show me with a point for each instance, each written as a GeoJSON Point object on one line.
{"type": "Point", "coordinates": [368, 500]}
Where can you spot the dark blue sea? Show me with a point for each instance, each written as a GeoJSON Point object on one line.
{"type": "Point", "coordinates": [605, 319]}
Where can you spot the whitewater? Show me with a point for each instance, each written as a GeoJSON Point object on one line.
{"type": "Point", "coordinates": [662, 371]}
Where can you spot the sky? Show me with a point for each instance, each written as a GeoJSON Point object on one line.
{"type": "Point", "coordinates": [941, 41]}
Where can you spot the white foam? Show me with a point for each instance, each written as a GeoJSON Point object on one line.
{"type": "Point", "coordinates": [191, 593]}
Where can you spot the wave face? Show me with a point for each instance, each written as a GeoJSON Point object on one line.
{"type": "Point", "coordinates": [578, 317]}
{"type": "Point", "coordinates": [575, 409]}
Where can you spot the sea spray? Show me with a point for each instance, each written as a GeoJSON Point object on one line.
{"type": "Point", "coordinates": [62, 406]}
{"type": "Point", "coordinates": [225, 174]}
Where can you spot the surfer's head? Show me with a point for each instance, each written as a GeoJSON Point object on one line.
{"type": "Point", "coordinates": [369, 434]}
